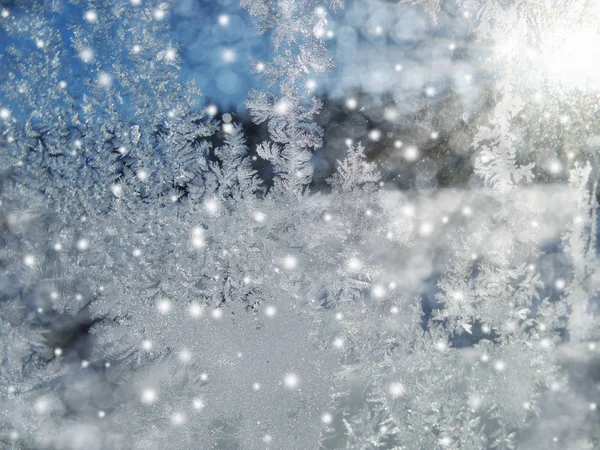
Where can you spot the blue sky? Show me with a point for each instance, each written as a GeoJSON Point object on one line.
{"type": "Point", "coordinates": [380, 48]}
{"type": "Point", "coordinates": [217, 40]}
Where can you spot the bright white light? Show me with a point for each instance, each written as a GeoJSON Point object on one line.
{"type": "Point", "coordinates": [560, 284]}
{"type": "Point", "coordinates": [429, 91]}
{"type": "Point", "coordinates": [311, 85]}
{"type": "Point", "coordinates": [223, 20]}
{"type": "Point", "coordinates": [212, 110]}
{"type": "Point", "coordinates": [198, 403]}
{"type": "Point", "coordinates": [177, 418]}
{"type": "Point", "coordinates": [290, 262]}
{"type": "Point", "coordinates": [91, 16]}
{"type": "Point", "coordinates": [445, 441]}
{"type": "Point", "coordinates": [58, 351]}
{"type": "Point", "coordinates": [170, 54]}
{"type": "Point", "coordinates": [159, 14]}
{"type": "Point", "coordinates": [500, 366]}
{"type": "Point", "coordinates": [398, 67]}
{"type": "Point", "coordinates": [441, 346]}
{"type": "Point", "coordinates": [29, 260]}
{"type": "Point", "coordinates": [5, 13]}
{"type": "Point", "coordinates": [228, 55]}
{"type": "Point", "coordinates": [326, 418]}
{"type": "Point", "coordinates": [574, 58]}
{"type": "Point", "coordinates": [203, 376]}
{"type": "Point", "coordinates": [396, 390]}
{"type": "Point", "coordinates": [185, 356]}
{"type": "Point", "coordinates": [270, 311]}
{"type": "Point", "coordinates": [104, 79]}
{"type": "Point", "coordinates": [117, 190]}
{"type": "Point", "coordinates": [259, 216]}
{"type": "Point", "coordinates": [211, 205]}
{"type": "Point", "coordinates": [354, 264]}
{"type": "Point", "coordinates": [4, 113]}
{"type": "Point", "coordinates": [217, 313]}
{"type": "Point", "coordinates": [555, 167]}
{"type": "Point", "coordinates": [82, 244]}
{"type": "Point", "coordinates": [39, 43]}
{"type": "Point", "coordinates": [411, 153]}
{"type": "Point", "coordinates": [149, 396]}
{"type": "Point", "coordinates": [198, 237]}
{"type": "Point", "coordinates": [390, 114]}
{"type": "Point", "coordinates": [338, 342]}
{"type": "Point", "coordinates": [378, 291]}
{"type": "Point", "coordinates": [291, 381]}
{"type": "Point", "coordinates": [374, 135]}
{"type": "Point", "coordinates": [101, 414]}
{"type": "Point", "coordinates": [195, 310]}
{"type": "Point", "coordinates": [260, 67]}
{"type": "Point", "coordinates": [142, 175]}
{"type": "Point", "coordinates": [426, 229]}
{"type": "Point", "coordinates": [41, 405]}
{"type": "Point", "coordinates": [282, 107]}
{"type": "Point", "coordinates": [147, 345]}
{"type": "Point", "coordinates": [351, 103]}
{"type": "Point", "coordinates": [163, 306]}
{"type": "Point", "coordinates": [256, 386]}
{"type": "Point", "coordinates": [228, 128]}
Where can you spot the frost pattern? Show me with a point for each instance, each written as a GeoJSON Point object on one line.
{"type": "Point", "coordinates": [229, 313]}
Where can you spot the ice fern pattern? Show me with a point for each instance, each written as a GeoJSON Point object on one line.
{"type": "Point", "coordinates": [230, 310]}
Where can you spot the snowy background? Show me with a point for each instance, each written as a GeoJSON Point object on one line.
{"type": "Point", "coordinates": [299, 224]}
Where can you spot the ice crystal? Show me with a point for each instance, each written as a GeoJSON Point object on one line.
{"type": "Point", "coordinates": [224, 307]}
